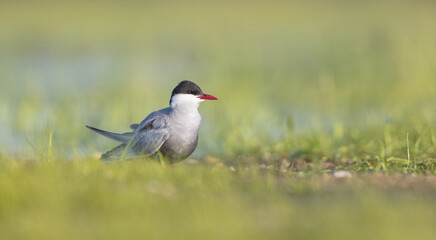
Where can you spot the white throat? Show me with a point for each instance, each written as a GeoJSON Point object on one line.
{"type": "Point", "coordinates": [185, 119]}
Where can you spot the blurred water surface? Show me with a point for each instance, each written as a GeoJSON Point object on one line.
{"type": "Point", "coordinates": [278, 68]}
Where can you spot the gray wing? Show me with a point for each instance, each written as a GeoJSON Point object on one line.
{"type": "Point", "coordinates": [119, 137]}
{"type": "Point", "coordinates": [151, 134]}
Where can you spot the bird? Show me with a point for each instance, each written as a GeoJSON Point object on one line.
{"type": "Point", "coordinates": [170, 133]}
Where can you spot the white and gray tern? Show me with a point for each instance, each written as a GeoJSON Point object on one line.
{"type": "Point", "coordinates": [172, 131]}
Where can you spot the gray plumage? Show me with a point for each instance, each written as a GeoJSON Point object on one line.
{"type": "Point", "coordinates": [172, 131]}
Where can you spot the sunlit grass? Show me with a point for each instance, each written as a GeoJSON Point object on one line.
{"type": "Point", "coordinates": [90, 199]}
{"type": "Point", "coordinates": [310, 92]}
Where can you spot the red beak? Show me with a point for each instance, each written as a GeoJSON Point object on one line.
{"type": "Point", "coordinates": [207, 97]}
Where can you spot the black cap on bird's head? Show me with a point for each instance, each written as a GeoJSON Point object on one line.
{"type": "Point", "coordinates": [188, 87]}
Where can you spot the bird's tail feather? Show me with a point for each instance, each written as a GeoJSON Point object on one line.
{"type": "Point", "coordinates": [119, 137]}
{"type": "Point", "coordinates": [114, 153]}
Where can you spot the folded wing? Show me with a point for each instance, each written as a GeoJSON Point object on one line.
{"type": "Point", "coordinates": [145, 140]}
{"type": "Point", "coordinates": [151, 134]}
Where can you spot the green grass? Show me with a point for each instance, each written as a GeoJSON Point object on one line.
{"type": "Point", "coordinates": [90, 199]}
{"type": "Point", "coordinates": [308, 90]}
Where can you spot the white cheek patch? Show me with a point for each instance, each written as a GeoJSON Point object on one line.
{"type": "Point", "coordinates": [185, 99]}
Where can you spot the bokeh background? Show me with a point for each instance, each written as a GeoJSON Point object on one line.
{"type": "Point", "coordinates": [325, 127]}
{"type": "Point", "coordinates": [287, 73]}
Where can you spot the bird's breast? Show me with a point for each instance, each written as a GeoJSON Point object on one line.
{"type": "Point", "coordinates": [183, 136]}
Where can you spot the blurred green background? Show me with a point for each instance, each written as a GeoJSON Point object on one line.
{"type": "Point", "coordinates": [279, 68]}
{"type": "Point", "coordinates": [325, 127]}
